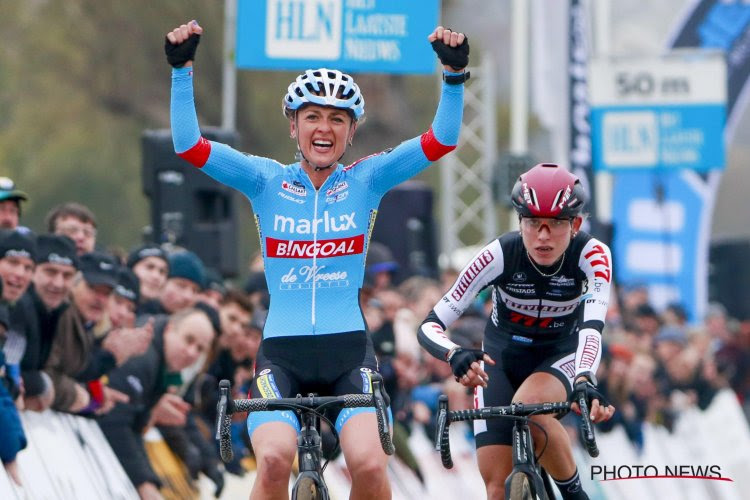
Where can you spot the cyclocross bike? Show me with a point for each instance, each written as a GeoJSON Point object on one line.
{"type": "Point", "coordinates": [310, 409]}
{"type": "Point", "coordinates": [527, 480]}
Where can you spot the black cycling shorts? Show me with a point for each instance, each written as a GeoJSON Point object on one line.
{"type": "Point", "coordinates": [326, 365]}
{"type": "Point", "coordinates": [514, 363]}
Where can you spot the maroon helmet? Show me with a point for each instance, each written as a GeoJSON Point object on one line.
{"type": "Point", "coordinates": [548, 190]}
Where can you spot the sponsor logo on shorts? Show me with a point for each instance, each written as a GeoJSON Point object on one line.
{"type": "Point", "coordinates": [265, 372]}
{"type": "Point", "coordinates": [267, 386]}
{"type": "Point", "coordinates": [366, 381]}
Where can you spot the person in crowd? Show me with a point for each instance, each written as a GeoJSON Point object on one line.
{"type": "Point", "coordinates": [315, 214]}
{"type": "Point", "coordinates": [78, 359]}
{"type": "Point", "coordinates": [10, 203]}
{"type": "Point", "coordinates": [151, 264]}
{"type": "Point", "coordinates": [123, 302]}
{"type": "Point", "coordinates": [75, 221]}
{"type": "Point", "coordinates": [17, 260]}
{"type": "Point", "coordinates": [12, 435]}
{"type": "Point", "coordinates": [213, 289]}
{"type": "Point", "coordinates": [44, 303]}
{"type": "Point", "coordinates": [380, 266]}
{"type": "Point", "coordinates": [186, 277]}
{"type": "Point", "coordinates": [550, 284]}
{"type": "Point", "coordinates": [149, 381]}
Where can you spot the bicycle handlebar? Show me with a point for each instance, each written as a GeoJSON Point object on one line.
{"type": "Point", "coordinates": [227, 407]}
{"type": "Point", "coordinates": [514, 410]}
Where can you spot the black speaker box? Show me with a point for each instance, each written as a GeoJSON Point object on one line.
{"type": "Point", "coordinates": [188, 208]}
{"type": "Point", "coordinates": [406, 226]}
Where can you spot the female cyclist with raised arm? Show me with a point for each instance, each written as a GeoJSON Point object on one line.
{"type": "Point", "coordinates": [550, 290]}
{"type": "Point", "coordinates": [315, 217]}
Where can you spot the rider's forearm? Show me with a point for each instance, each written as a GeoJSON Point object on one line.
{"type": "Point", "coordinates": [589, 351]}
{"type": "Point", "coordinates": [186, 134]}
{"type": "Point", "coordinates": [432, 338]}
{"type": "Point", "coordinates": [442, 137]}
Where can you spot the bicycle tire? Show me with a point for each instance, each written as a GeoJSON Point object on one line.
{"type": "Point", "coordinates": [520, 487]}
{"type": "Point", "coordinates": [307, 489]}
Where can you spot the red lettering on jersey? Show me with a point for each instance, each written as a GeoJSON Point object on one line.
{"type": "Point", "coordinates": [600, 260]}
{"type": "Point", "coordinates": [301, 249]}
{"type": "Point", "coordinates": [471, 272]}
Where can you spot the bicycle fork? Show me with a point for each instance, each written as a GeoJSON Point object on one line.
{"type": "Point", "coordinates": [524, 461]}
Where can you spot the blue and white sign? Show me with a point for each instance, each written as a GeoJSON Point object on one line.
{"type": "Point", "coordinates": [662, 233]}
{"type": "Point", "coordinates": [659, 113]}
{"type": "Point", "coordinates": [376, 36]}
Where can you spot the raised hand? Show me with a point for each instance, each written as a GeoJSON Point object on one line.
{"type": "Point", "coordinates": [452, 48]}
{"type": "Point", "coordinates": [181, 43]}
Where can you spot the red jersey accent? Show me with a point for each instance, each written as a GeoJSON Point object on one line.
{"type": "Point", "coordinates": [295, 249]}
{"type": "Point", "coordinates": [198, 154]}
{"type": "Point", "coordinates": [432, 148]}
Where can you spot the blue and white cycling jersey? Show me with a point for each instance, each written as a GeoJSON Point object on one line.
{"type": "Point", "coordinates": [314, 241]}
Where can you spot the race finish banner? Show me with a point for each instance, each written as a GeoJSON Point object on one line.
{"type": "Point", "coordinates": [374, 36]}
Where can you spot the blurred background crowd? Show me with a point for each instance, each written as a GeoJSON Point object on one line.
{"type": "Point", "coordinates": [138, 339]}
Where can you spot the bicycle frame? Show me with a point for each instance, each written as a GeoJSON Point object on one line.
{"type": "Point", "coordinates": [309, 455]}
{"type": "Point", "coordinates": [524, 460]}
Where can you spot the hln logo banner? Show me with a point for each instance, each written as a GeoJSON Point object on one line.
{"type": "Point", "coordinates": [380, 36]}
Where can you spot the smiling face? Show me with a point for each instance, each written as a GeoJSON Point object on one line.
{"type": "Point", "coordinates": [322, 133]}
{"type": "Point", "coordinates": [546, 239]}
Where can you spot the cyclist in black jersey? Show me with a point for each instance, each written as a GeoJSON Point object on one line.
{"type": "Point", "coordinates": [550, 290]}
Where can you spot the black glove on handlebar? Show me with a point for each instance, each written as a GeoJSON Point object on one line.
{"type": "Point", "coordinates": [455, 57]}
{"type": "Point", "coordinates": [589, 391]}
{"type": "Point", "coordinates": [463, 358]}
{"type": "Point", "coordinates": [178, 55]}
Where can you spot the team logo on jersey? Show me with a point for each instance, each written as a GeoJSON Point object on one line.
{"type": "Point", "coordinates": [299, 249]}
{"type": "Point", "coordinates": [295, 187]}
{"type": "Point", "coordinates": [337, 188]}
{"type": "Point", "coordinates": [337, 197]}
{"type": "Point", "coordinates": [519, 277]}
{"type": "Point", "coordinates": [265, 372]}
{"type": "Point", "coordinates": [470, 274]}
{"type": "Point", "coordinates": [329, 223]}
{"type": "Point", "coordinates": [562, 281]}
{"type": "Point", "coordinates": [290, 198]}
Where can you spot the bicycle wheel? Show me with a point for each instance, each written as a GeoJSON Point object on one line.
{"type": "Point", "coordinates": [520, 487]}
{"type": "Point", "coordinates": [306, 488]}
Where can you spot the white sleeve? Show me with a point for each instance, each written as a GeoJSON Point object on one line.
{"type": "Point", "coordinates": [596, 263]}
{"type": "Point", "coordinates": [484, 267]}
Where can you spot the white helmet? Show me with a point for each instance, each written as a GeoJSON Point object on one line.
{"type": "Point", "coordinates": [325, 87]}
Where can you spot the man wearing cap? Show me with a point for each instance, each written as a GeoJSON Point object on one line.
{"type": "Point", "coordinates": [10, 203]}
{"type": "Point", "coordinates": [17, 255]}
{"type": "Point", "coordinates": [124, 300]}
{"type": "Point", "coordinates": [150, 263]}
{"type": "Point", "coordinates": [186, 278]}
{"type": "Point", "coordinates": [44, 303]}
{"type": "Point", "coordinates": [77, 361]}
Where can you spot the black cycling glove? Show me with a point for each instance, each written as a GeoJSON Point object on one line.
{"type": "Point", "coordinates": [455, 57]}
{"type": "Point", "coordinates": [462, 359]}
{"type": "Point", "coordinates": [589, 391]}
{"type": "Point", "coordinates": [178, 55]}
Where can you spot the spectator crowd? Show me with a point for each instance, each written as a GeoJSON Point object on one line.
{"type": "Point", "coordinates": [140, 339]}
